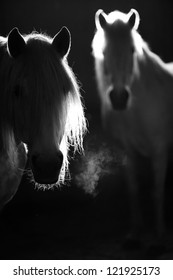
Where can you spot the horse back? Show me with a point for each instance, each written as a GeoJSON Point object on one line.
{"type": "Point", "coordinates": [169, 66]}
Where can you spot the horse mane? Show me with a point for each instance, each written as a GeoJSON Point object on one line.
{"type": "Point", "coordinates": [63, 100]}
{"type": "Point", "coordinates": [144, 53]}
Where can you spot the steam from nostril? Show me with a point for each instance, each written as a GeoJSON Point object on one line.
{"type": "Point", "coordinates": [96, 164]}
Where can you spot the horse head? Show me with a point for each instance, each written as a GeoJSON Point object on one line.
{"type": "Point", "coordinates": [42, 94]}
{"type": "Point", "coordinates": [118, 52]}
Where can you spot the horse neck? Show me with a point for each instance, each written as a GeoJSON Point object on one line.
{"type": "Point", "coordinates": [148, 65]}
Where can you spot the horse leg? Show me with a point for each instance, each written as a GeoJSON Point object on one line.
{"type": "Point", "coordinates": [132, 183]}
{"type": "Point", "coordinates": [159, 169]}
{"type": "Point", "coordinates": [10, 178]}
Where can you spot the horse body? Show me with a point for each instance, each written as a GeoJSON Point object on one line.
{"type": "Point", "coordinates": [11, 175]}
{"type": "Point", "coordinates": [144, 123]}
{"type": "Point", "coordinates": [41, 112]}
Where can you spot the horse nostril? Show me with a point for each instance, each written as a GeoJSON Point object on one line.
{"type": "Point", "coordinates": [46, 168]}
{"type": "Point", "coordinates": [38, 160]}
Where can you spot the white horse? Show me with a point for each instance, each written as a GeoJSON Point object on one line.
{"type": "Point", "coordinates": [136, 93]}
{"type": "Point", "coordinates": [41, 113]}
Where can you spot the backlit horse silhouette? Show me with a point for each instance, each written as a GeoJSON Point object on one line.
{"type": "Point", "coordinates": [41, 113]}
{"type": "Point", "coordinates": [136, 93]}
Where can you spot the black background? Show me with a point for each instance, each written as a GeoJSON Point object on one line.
{"type": "Point", "coordinates": [67, 223]}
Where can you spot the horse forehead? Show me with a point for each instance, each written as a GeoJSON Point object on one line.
{"type": "Point", "coordinates": [38, 47]}
{"type": "Point", "coordinates": [35, 39]}
{"type": "Point", "coordinates": [38, 57]}
{"type": "Point", "coordinates": [119, 33]}
{"type": "Point", "coordinates": [119, 48]}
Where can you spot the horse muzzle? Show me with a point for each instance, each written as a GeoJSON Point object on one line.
{"type": "Point", "coordinates": [46, 169]}
{"type": "Point", "coordinates": [119, 99]}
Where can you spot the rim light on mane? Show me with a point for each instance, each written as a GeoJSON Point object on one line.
{"type": "Point", "coordinates": [35, 65]}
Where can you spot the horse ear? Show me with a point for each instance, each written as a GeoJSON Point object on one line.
{"type": "Point", "coordinates": [15, 43]}
{"type": "Point", "coordinates": [100, 19]}
{"type": "Point", "coordinates": [133, 19]}
{"type": "Point", "coordinates": [62, 41]}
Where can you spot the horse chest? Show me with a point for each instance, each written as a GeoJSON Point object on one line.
{"type": "Point", "coordinates": [128, 130]}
